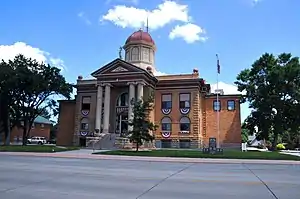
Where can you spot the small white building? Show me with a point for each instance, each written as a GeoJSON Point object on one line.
{"type": "Point", "coordinates": [253, 141]}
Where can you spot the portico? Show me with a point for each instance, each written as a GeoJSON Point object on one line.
{"type": "Point", "coordinates": [135, 91]}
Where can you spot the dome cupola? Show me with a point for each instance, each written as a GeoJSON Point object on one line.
{"type": "Point", "coordinates": [140, 49]}
{"type": "Point", "coordinates": [140, 37]}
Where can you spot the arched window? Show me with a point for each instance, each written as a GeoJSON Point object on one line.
{"type": "Point", "coordinates": [84, 124]}
{"type": "Point", "coordinates": [146, 52]}
{"type": "Point", "coordinates": [185, 124]}
{"type": "Point", "coordinates": [135, 54]}
{"type": "Point", "coordinates": [123, 100]}
{"type": "Point", "coordinates": [127, 55]}
{"type": "Point", "coordinates": [166, 124]}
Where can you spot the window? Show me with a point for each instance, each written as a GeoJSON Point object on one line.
{"type": "Point", "coordinates": [166, 143]}
{"type": "Point", "coordinates": [123, 100]}
{"type": "Point", "coordinates": [166, 101]}
{"type": "Point", "coordinates": [42, 125]}
{"type": "Point", "coordinates": [166, 124]}
{"type": "Point", "coordinates": [127, 55]}
{"type": "Point", "coordinates": [135, 54]}
{"type": "Point", "coordinates": [217, 105]}
{"type": "Point", "coordinates": [185, 124]}
{"type": "Point", "coordinates": [84, 124]}
{"type": "Point", "coordinates": [185, 144]}
{"type": "Point", "coordinates": [146, 54]}
{"type": "Point", "coordinates": [184, 100]}
{"type": "Point", "coordinates": [231, 105]}
{"type": "Point", "coordinates": [32, 126]}
{"type": "Point", "coordinates": [86, 103]}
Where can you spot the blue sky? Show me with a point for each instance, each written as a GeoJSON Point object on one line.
{"type": "Point", "coordinates": [80, 36]}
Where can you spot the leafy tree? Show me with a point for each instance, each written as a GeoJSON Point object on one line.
{"type": "Point", "coordinates": [8, 86]}
{"type": "Point", "coordinates": [37, 84]}
{"type": "Point", "coordinates": [245, 133]}
{"type": "Point", "coordinates": [272, 88]}
{"type": "Point", "coordinates": [292, 139]}
{"type": "Point", "coordinates": [53, 131]}
{"type": "Point", "coordinates": [142, 127]}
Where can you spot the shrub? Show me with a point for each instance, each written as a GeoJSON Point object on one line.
{"type": "Point", "coordinates": [280, 146]}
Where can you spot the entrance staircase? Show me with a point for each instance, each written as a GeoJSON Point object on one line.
{"type": "Point", "coordinates": [110, 141]}
{"type": "Point", "coordinates": [104, 141]}
{"type": "Point", "coordinates": [123, 143]}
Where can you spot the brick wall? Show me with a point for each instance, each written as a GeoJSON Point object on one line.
{"type": "Point", "coordinates": [42, 130]}
{"type": "Point", "coordinates": [230, 121]}
{"type": "Point", "coordinates": [66, 123]}
{"type": "Point", "coordinates": [175, 114]}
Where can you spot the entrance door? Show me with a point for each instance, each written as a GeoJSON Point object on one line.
{"type": "Point", "coordinates": [82, 142]}
{"type": "Point", "coordinates": [122, 124]}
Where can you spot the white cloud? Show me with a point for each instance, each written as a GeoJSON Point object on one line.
{"type": "Point", "coordinates": [8, 52]}
{"type": "Point", "coordinates": [189, 32]}
{"type": "Point", "coordinates": [159, 73]}
{"type": "Point", "coordinates": [83, 16]}
{"type": "Point", "coordinates": [167, 12]}
{"type": "Point", "coordinates": [227, 88]}
{"type": "Point", "coordinates": [132, 17]}
{"type": "Point", "coordinates": [232, 89]}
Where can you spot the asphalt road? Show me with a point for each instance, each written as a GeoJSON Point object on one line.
{"type": "Point", "coordinates": [67, 178]}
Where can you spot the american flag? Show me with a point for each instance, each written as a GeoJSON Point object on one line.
{"type": "Point", "coordinates": [218, 65]}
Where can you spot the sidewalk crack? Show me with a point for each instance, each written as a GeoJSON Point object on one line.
{"type": "Point", "coordinates": [164, 179]}
{"type": "Point", "coordinates": [269, 189]}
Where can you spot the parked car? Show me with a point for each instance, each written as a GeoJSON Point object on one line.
{"type": "Point", "coordinates": [37, 140]}
{"type": "Point", "coordinates": [52, 141]}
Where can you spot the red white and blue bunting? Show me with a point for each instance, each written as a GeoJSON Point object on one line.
{"type": "Point", "coordinates": [166, 111]}
{"type": "Point", "coordinates": [184, 111]}
{"type": "Point", "coordinates": [85, 112]}
{"type": "Point", "coordinates": [84, 133]}
{"type": "Point", "coordinates": [166, 134]}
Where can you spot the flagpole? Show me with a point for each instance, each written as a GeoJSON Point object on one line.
{"type": "Point", "coordinates": [219, 104]}
{"type": "Point", "coordinates": [147, 25]}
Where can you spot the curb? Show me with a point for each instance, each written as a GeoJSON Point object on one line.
{"type": "Point", "coordinates": [155, 159]}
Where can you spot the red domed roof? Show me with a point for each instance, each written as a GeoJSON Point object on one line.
{"type": "Point", "coordinates": [140, 35]}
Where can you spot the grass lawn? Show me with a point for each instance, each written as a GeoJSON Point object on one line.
{"type": "Point", "coordinates": [35, 148]}
{"type": "Point", "coordinates": [228, 154]}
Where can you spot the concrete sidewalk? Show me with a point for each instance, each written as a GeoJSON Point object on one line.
{"type": "Point", "coordinates": [87, 155]}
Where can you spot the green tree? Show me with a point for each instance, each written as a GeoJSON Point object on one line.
{"type": "Point", "coordinates": [53, 131]}
{"type": "Point", "coordinates": [141, 126]}
{"type": "Point", "coordinates": [37, 83]}
{"type": "Point", "coordinates": [272, 88]}
{"type": "Point", "coordinates": [292, 139]}
{"type": "Point", "coordinates": [245, 133]}
{"type": "Point", "coordinates": [8, 87]}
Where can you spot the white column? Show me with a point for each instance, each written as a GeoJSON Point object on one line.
{"type": "Point", "coordinates": [106, 108]}
{"type": "Point", "coordinates": [99, 108]}
{"type": "Point", "coordinates": [130, 106]}
{"type": "Point", "coordinates": [140, 90]}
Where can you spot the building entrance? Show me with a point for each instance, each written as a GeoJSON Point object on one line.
{"type": "Point", "coordinates": [122, 124]}
{"type": "Point", "coordinates": [122, 115]}
{"type": "Point", "coordinates": [82, 141]}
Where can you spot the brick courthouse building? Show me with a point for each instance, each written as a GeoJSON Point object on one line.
{"type": "Point", "coordinates": [185, 108]}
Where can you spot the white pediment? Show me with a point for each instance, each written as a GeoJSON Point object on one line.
{"type": "Point", "coordinates": [119, 69]}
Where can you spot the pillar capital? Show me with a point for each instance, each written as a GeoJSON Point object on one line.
{"type": "Point", "coordinates": [98, 84]}
{"type": "Point", "coordinates": [107, 84]}
{"type": "Point", "coordinates": [131, 83]}
{"type": "Point", "coordinates": [141, 83]}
